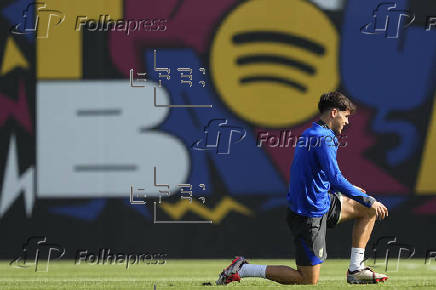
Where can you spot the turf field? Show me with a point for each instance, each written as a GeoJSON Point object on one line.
{"type": "Point", "coordinates": [191, 274]}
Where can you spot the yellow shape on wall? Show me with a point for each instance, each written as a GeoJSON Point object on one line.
{"type": "Point", "coordinates": [225, 206]}
{"type": "Point", "coordinates": [272, 60]}
{"type": "Point", "coordinates": [12, 57]}
{"type": "Point", "coordinates": [426, 182]}
{"type": "Point", "coordinates": [59, 50]}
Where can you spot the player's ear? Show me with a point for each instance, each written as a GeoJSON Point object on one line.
{"type": "Point", "coordinates": [333, 112]}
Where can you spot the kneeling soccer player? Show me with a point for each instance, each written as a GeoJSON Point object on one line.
{"type": "Point", "coordinates": [312, 208]}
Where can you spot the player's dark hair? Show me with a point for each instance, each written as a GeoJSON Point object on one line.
{"type": "Point", "coordinates": [335, 100]}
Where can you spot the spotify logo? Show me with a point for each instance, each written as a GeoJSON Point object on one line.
{"type": "Point", "coordinates": [271, 60]}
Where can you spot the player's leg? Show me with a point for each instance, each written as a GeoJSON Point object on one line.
{"type": "Point", "coordinates": [364, 219]}
{"type": "Point", "coordinates": [309, 237]}
{"type": "Point", "coordinates": [287, 275]}
{"type": "Point", "coordinates": [240, 268]}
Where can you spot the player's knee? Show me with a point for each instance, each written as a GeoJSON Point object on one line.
{"type": "Point", "coordinates": [309, 281]}
{"type": "Point", "coordinates": [363, 211]}
{"type": "Point", "coordinates": [368, 213]}
{"type": "Point", "coordinates": [371, 213]}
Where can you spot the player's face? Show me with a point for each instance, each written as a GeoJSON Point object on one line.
{"type": "Point", "coordinates": [340, 120]}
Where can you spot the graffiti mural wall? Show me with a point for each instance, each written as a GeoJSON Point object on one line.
{"type": "Point", "coordinates": [171, 125]}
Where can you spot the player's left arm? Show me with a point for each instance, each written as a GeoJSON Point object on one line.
{"type": "Point", "coordinates": [327, 159]}
{"type": "Point", "coordinates": [361, 189]}
{"type": "Point", "coordinates": [380, 209]}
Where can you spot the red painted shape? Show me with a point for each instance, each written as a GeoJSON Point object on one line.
{"type": "Point", "coordinates": [427, 208]}
{"type": "Point", "coordinates": [18, 110]}
{"type": "Point", "coordinates": [192, 25]}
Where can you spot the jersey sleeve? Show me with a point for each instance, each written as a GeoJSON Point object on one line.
{"type": "Point", "coordinates": [326, 154]}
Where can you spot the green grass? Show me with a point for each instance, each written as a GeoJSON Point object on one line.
{"type": "Point", "coordinates": [190, 274]}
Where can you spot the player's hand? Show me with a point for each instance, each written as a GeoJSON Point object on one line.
{"type": "Point", "coordinates": [361, 189]}
{"type": "Point", "coordinates": [380, 210]}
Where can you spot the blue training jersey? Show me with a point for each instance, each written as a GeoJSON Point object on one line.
{"type": "Point", "coordinates": [314, 171]}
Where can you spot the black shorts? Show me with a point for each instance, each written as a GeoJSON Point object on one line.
{"type": "Point", "coordinates": [309, 233]}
